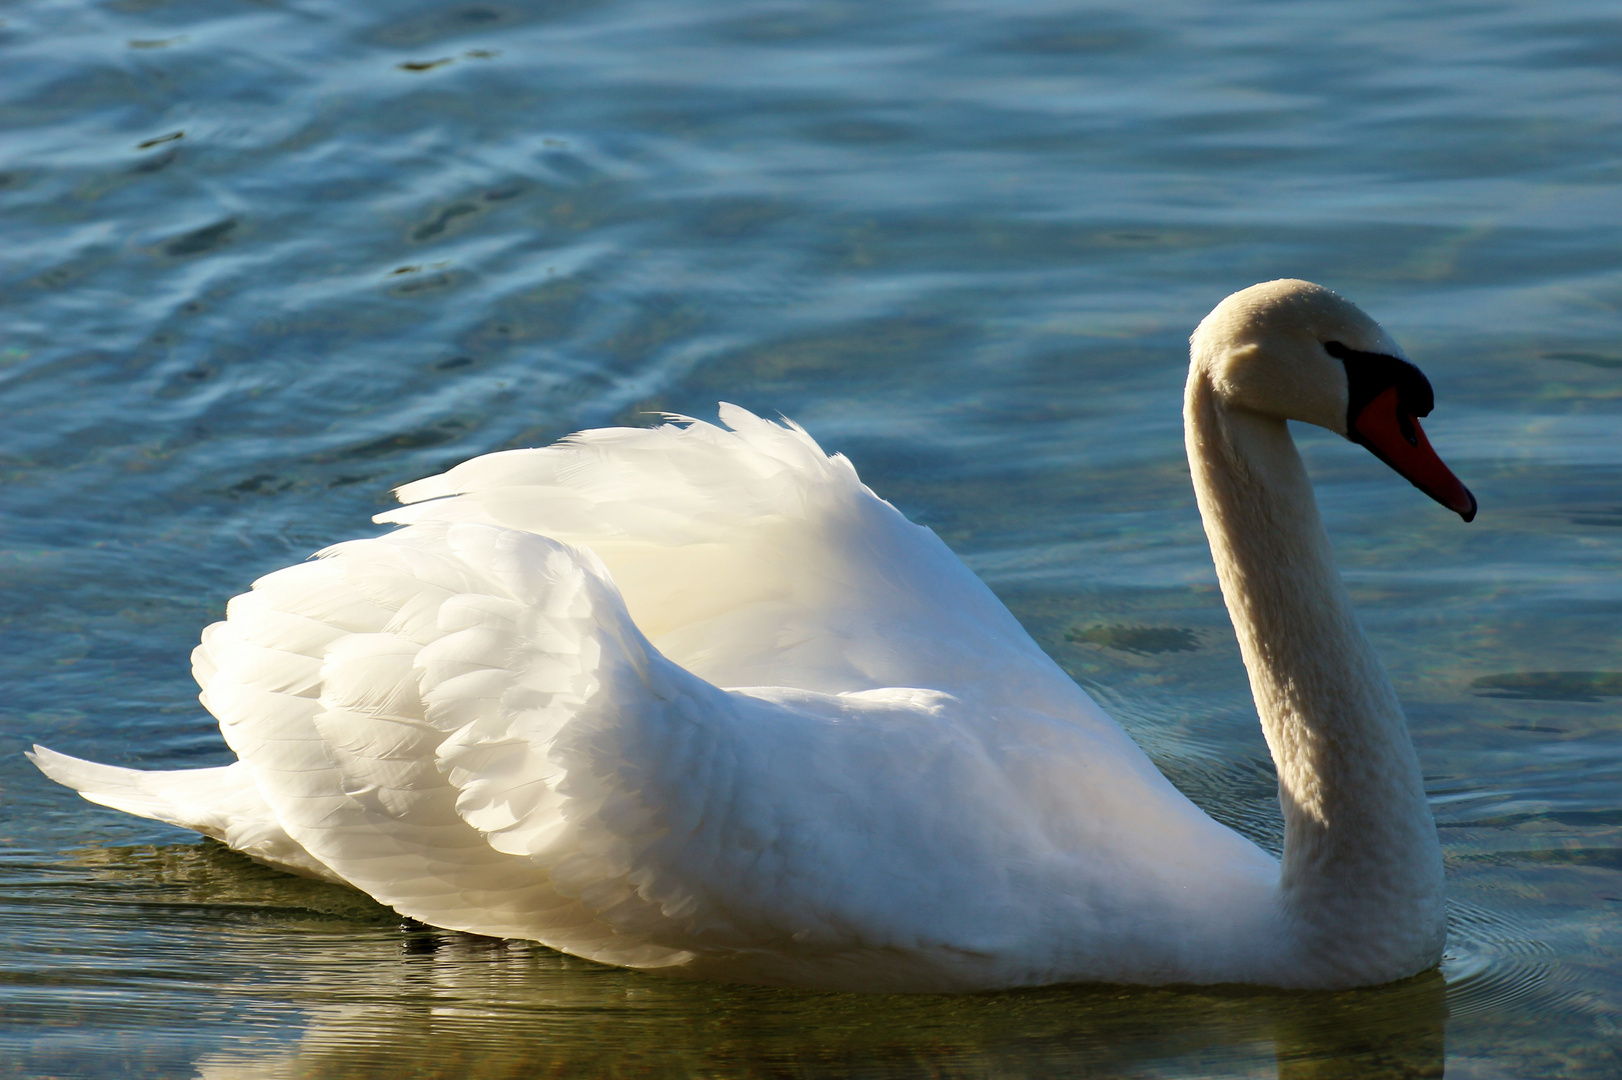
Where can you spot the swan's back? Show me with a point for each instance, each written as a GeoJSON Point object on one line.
{"type": "Point", "coordinates": [505, 717]}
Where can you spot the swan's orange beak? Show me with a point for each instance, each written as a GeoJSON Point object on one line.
{"type": "Point", "coordinates": [1394, 436]}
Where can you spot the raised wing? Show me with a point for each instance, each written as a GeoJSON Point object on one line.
{"type": "Point", "coordinates": [751, 558]}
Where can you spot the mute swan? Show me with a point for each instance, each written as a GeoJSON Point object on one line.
{"type": "Point", "coordinates": [695, 699]}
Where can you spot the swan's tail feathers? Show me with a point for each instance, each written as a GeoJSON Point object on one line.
{"type": "Point", "coordinates": [184, 798]}
{"type": "Point", "coordinates": [221, 803]}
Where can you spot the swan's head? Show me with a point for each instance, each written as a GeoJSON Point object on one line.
{"type": "Point", "coordinates": [1296, 351]}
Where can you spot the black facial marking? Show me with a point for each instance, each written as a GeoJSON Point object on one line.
{"type": "Point", "coordinates": [1370, 374]}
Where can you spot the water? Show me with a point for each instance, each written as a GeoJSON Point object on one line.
{"type": "Point", "coordinates": [265, 260]}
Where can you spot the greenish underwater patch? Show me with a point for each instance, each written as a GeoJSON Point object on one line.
{"type": "Point", "coordinates": [1137, 639]}
{"type": "Point", "coordinates": [1551, 685]}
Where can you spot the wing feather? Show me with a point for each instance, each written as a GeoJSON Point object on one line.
{"type": "Point", "coordinates": [351, 773]}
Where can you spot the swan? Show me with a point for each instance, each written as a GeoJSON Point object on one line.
{"type": "Point", "coordinates": [693, 699]}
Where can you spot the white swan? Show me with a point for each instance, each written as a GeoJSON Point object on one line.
{"type": "Point", "coordinates": [508, 716]}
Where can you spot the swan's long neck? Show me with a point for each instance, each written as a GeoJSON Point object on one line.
{"type": "Point", "coordinates": [1361, 880]}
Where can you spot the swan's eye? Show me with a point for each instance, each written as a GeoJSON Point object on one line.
{"type": "Point", "coordinates": [1370, 374]}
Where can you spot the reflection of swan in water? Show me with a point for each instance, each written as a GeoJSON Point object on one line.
{"type": "Point", "coordinates": [457, 1007]}
{"type": "Point", "coordinates": [369, 998]}
{"type": "Point", "coordinates": [474, 722]}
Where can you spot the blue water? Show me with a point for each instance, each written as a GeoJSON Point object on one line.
{"type": "Point", "coordinates": [263, 260]}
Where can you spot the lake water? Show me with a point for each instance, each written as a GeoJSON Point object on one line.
{"type": "Point", "coordinates": [265, 260]}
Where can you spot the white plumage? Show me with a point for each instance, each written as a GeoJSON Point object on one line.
{"type": "Point", "coordinates": [694, 698]}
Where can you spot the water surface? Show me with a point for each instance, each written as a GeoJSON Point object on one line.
{"type": "Point", "coordinates": [265, 260]}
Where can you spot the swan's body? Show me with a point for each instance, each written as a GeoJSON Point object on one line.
{"type": "Point", "coordinates": [507, 717]}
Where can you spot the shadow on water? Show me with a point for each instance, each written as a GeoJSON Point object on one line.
{"type": "Point", "coordinates": [319, 982]}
